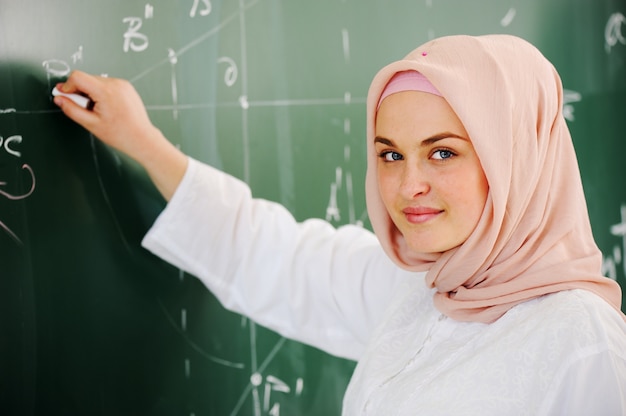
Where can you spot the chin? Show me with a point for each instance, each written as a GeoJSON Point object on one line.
{"type": "Point", "coordinates": [423, 246]}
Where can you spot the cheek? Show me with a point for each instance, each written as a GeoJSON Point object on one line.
{"type": "Point", "coordinates": [386, 186]}
{"type": "Point", "coordinates": [464, 191]}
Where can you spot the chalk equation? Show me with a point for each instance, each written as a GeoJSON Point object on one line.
{"type": "Point", "coordinates": [59, 68]}
{"type": "Point", "coordinates": [136, 41]}
{"type": "Point", "coordinates": [343, 183]}
{"type": "Point", "coordinates": [9, 146]}
{"type": "Point", "coordinates": [613, 31]}
{"type": "Point", "coordinates": [201, 7]}
{"type": "Point", "coordinates": [272, 384]}
{"type": "Point", "coordinates": [617, 256]}
{"type": "Point", "coordinates": [133, 39]}
{"type": "Point", "coordinates": [262, 388]}
{"type": "Point", "coordinates": [570, 97]}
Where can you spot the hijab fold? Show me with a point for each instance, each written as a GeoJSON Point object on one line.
{"type": "Point", "coordinates": [534, 235]}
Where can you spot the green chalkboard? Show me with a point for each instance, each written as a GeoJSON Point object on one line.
{"type": "Point", "coordinates": [272, 91]}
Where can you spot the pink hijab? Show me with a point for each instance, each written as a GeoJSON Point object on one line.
{"type": "Point", "coordinates": [534, 236]}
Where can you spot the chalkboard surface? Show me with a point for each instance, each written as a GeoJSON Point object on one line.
{"type": "Point", "coordinates": [272, 91]}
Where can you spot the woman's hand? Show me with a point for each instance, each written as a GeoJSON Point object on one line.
{"type": "Point", "coordinates": [119, 119]}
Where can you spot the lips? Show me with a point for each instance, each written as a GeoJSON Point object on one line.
{"type": "Point", "coordinates": [420, 215]}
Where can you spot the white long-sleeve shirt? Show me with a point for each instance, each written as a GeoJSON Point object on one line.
{"type": "Point", "coordinates": [561, 354]}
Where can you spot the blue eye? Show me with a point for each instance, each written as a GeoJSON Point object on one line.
{"type": "Point", "coordinates": [442, 154]}
{"type": "Point", "coordinates": [390, 156]}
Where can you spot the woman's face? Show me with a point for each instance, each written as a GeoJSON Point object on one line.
{"type": "Point", "coordinates": [430, 179]}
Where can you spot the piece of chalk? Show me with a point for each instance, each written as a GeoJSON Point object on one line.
{"type": "Point", "coordinates": [81, 100]}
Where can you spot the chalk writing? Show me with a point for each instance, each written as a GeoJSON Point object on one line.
{"type": "Point", "coordinates": [78, 55]}
{"type": "Point", "coordinates": [27, 193]}
{"type": "Point", "coordinates": [244, 103]}
{"type": "Point", "coordinates": [333, 213]}
{"type": "Point", "coordinates": [8, 146]}
{"type": "Point", "coordinates": [59, 67]}
{"type": "Point", "coordinates": [345, 37]}
{"type": "Point", "coordinates": [618, 256]}
{"type": "Point", "coordinates": [508, 17]}
{"type": "Point", "coordinates": [570, 97]}
{"type": "Point", "coordinates": [270, 384]}
{"type": "Point", "coordinates": [230, 75]}
{"type": "Point", "coordinates": [56, 67]}
{"type": "Point", "coordinates": [274, 384]}
{"type": "Point", "coordinates": [613, 31]}
{"type": "Point", "coordinates": [148, 12]}
{"type": "Point", "coordinates": [133, 40]}
{"type": "Point", "coordinates": [173, 83]}
{"type": "Point", "coordinates": [183, 332]}
{"type": "Point", "coordinates": [204, 11]}
{"type": "Point", "coordinates": [263, 389]}
{"type": "Point", "coordinates": [343, 178]}
{"type": "Point", "coordinates": [262, 404]}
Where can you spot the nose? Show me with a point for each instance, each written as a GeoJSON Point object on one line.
{"type": "Point", "coordinates": [414, 181]}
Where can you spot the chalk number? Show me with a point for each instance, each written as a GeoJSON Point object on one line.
{"type": "Point", "coordinates": [205, 11]}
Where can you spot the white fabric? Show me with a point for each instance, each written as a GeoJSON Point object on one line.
{"type": "Point", "coordinates": [309, 282]}
{"type": "Point", "coordinates": [560, 354]}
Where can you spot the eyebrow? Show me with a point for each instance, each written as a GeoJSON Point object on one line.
{"type": "Point", "coordinates": [425, 142]}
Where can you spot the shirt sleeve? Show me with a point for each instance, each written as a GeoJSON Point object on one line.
{"type": "Point", "coordinates": [595, 384]}
{"type": "Point", "coordinates": [592, 376]}
{"type": "Point", "coordinates": [308, 281]}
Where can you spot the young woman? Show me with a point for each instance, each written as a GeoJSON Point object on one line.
{"type": "Point", "coordinates": [492, 303]}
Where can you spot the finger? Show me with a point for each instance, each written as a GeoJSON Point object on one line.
{"type": "Point", "coordinates": [86, 118]}
{"type": "Point", "coordinates": [81, 83]}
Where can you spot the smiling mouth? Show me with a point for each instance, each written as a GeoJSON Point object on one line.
{"type": "Point", "coordinates": [420, 215]}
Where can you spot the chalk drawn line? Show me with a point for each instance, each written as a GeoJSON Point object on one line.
{"type": "Point", "coordinates": [250, 387]}
{"type": "Point", "coordinates": [16, 198]}
{"type": "Point", "coordinates": [195, 346]}
{"type": "Point", "coordinates": [194, 42]}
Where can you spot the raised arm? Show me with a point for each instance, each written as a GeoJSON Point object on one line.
{"type": "Point", "coordinates": [119, 119]}
{"type": "Point", "coordinates": [307, 281]}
